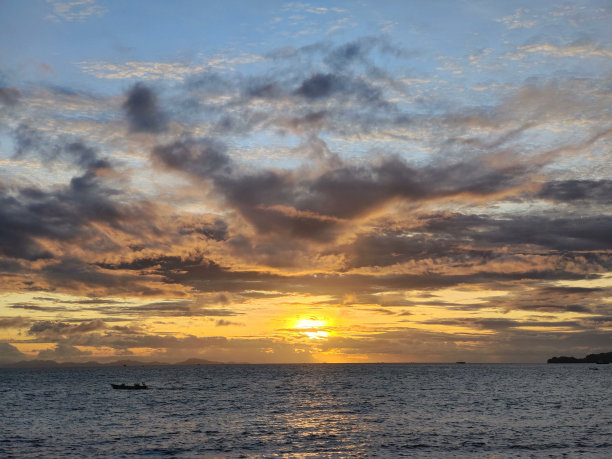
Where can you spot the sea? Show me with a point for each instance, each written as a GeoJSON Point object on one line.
{"type": "Point", "coordinates": [309, 410]}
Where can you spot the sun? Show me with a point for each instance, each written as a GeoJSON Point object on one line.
{"type": "Point", "coordinates": [309, 323]}
{"type": "Point", "coordinates": [311, 328]}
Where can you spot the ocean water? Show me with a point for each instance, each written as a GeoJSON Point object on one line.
{"type": "Point", "coordinates": [386, 410]}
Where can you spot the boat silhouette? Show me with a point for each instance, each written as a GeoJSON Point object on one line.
{"type": "Point", "coordinates": [127, 387]}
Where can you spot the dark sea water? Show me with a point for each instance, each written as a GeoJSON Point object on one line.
{"type": "Point", "coordinates": [309, 411]}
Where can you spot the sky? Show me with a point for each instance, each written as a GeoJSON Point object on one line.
{"type": "Point", "coordinates": [274, 182]}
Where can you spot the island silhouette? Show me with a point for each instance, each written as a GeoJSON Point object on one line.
{"type": "Point", "coordinates": [603, 358]}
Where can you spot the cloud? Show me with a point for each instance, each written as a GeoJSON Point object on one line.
{"type": "Point", "coordinates": [563, 233]}
{"type": "Point", "coordinates": [203, 158]}
{"type": "Point", "coordinates": [326, 85]}
{"type": "Point", "coordinates": [517, 21]}
{"type": "Point", "coordinates": [9, 96]}
{"type": "Point", "coordinates": [65, 213]}
{"type": "Point", "coordinates": [140, 70]}
{"type": "Point", "coordinates": [62, 329]}
{"type": "Point", "coordinates": [581, 49]}
{"type": "Point", "coordinates": [38, 307]}
{"type": "Point", "coordinates": [142, 110]}
{"type": "Point", "coordinates": [314, 204]}
{"type": "Point", "coordinates": [79, 277]}
{"type": "Point", "coordinates": [227, 323]}
{"type": "Point", "coordinates": [215, 230]}
{"type": "Point", "coordinates": [155, 341]}
{"type": "Point", "coordinates": [75, 10]}
{"type": "Point", "coordinates": [518, 345]}
{"type": "Point", "coordinates": [187, 308]}
{"type": "Point", "coordinates": [32, 142]}
{"type": "Point", "coordinates": [179, 71]}
{"type": "Point", "coordinates": [595, 191]}
{"type": "Point", "coordinates": [323, 182]}
{"type": "Point", "coordinates": [496, 324]}
{"type": "Point", "coordinates": [345, 55]}
{"type": "Point", "coordinates": [9, 353]}
{"type": "Point", "coordinates": [392, 247]}
{"type": "Point", "coordinates": [63, 351]}
{"type": "Point", "coordinates": [14, 322]}
{"type": "Point", "coordinates": [320, 85]}
{"type": "Point", "coordinates": [586, 301]}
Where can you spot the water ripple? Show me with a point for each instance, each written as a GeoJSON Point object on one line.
{"type": "Point", "coordinates": [309, 411]}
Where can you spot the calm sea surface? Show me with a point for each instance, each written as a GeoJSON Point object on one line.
{"type": "Point", "coordinates": [309, 411]}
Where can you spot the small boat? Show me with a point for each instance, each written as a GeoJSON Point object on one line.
{"type": "Point", "coordinates": [460, 363]}
{"type": "Point", "coordinates": [126, 387]}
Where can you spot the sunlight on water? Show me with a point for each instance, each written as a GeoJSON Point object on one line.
{"type": "Point", "coordinates": [309, 410]}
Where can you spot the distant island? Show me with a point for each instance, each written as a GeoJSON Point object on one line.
{"type": "Point", "coordinates": [605, 357]}
{"type": "Point", "coordinates": [118, 363]}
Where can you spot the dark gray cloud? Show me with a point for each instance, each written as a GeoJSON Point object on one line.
{"type": "Point", "coordinates": [143, 113]}
{"type": "Point", "coordinates": [31, 141]}
{"type": "Point", "coordinates": [54, 328]}
{"type": "Point", "coordinates": [325, 85]}
{"type": "Point", "coordinates": [78, 276]}
{"type": "Point", "coordinates": [280, 222]}
{"type": "Point", "coordinates": [310, 122]}
{"type": "Point", "coordinates": [263, 90]}
{"type": "Point", "coordinates": [561, 308]}
{"type": "Point", "coordinates": [471, 240]}
{"type": "Point", "coordinates": [207, 276]}
{"type": "Point", "coordinates": [388, 247]}
{"type": "Point", "coordinates": [147, 263]}
{"type": "Point", "coordinates": [186, 308]}
{"type": "Point", "coordinates": [343, 56]}
{"type": "Point", "coordinates": [86, 157]}
{"type": "Point", "coordinates": [320, 85]}
{"type": "Point", "coordinates": [14, 322]}
{"type": "Point", "coordinates": [17, 226]}
{"type": "Point", "coordinates": [61, 214]}
{"type": "Point", "coordinates": [215, 230]}
{"type": "Point", "coordinates": [548, 299]}
{"type": "Point", "coordinates": [70, 212]}
{"type": "Point", "coordinates": [38, 307]}
{"type": "Point", "coordinates": [573, 291]}
{"type": "Point", "coordinates": [130, 340]}
{"type": "Point", "coordinates": [269, 200]}
{"type": "Point", "coordinates": [194, 271]}
{"type": "Point", "coordinates": [566, 233]}
{"type": "Point", "coordinates": [596, 191]}
{"type": "Point", "coordinates": [9, 96]}
{"type": "Point", "coordinates": [84, 301]}
{"type": "Point", "coordinates": [226, 323]}
{"type": "Point", "coordinates": [210, 83]}
{"type": "Point", "coordinates": [283, 201]}
{"type": "Point", "coordinates": [496, 323]}
{"type": "Point", "coordinates": [352, 87]}
{"type": "Point", "coordinates": [203, 158]}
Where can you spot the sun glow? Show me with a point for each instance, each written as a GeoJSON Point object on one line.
{"type": "Point", "coordinates": [311, 328]}
{"type": "Point", "coordinates": [319, 334]}
{"type": "Point", "coordinates": [310, 323]}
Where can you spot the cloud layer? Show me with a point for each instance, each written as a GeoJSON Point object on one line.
{"type": "Point", "coordinates": [338, 181]}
